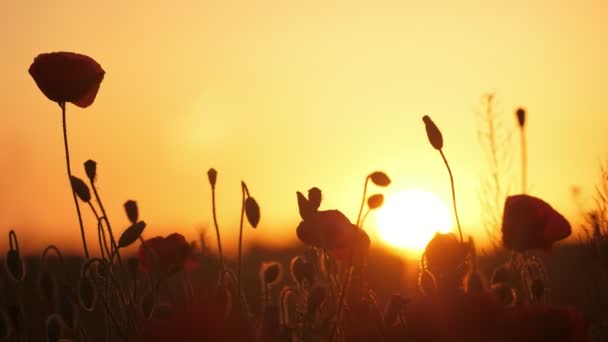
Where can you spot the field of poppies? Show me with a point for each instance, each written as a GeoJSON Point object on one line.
{"type": "Point", "coordinates": [173, 289]}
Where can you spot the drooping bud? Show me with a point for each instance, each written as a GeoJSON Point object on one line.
{"type": "Point", "coordinates": [212, 176]}
{"type": "Point", "coordinates": [252, 210]}
{"type": "Point", "coordinates": [380, 178]}
{"type": "Point", "coordinates": [90, 168]}
{"type": "Point", "coordinates": [521, 116]}
{"type": "Point", "coordinates": [375, 201]}
{"type": "Point", "coordinates": [80, 188]}
{"type": "Point", "coordinates": [132, 211]}
{"type": "Point", "coordinates": [314, 197]}
{"type": "Point", "coordinates": [433, 133]}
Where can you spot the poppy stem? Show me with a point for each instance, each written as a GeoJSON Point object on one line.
{"type": "Point", "coordinates": [241, 239]}
{"type": "Point", "coordinates": [217, 228]}
{"type": "Point", "coordinates": [67, 160]}
{"type": "Point", "coordinates": [447, 165]}
{"type": "Point", "coordinates": [104, 217]}
{"type": "Point", "coordinates": [524, 161]}
{"type": "Point", "coordinates": [362, 200]}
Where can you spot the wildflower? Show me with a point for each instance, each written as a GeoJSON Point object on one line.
{"type": "Point", "coordinates": [531, 223]}
{"type": "Point", "coordinates": [67, 77]}
{"type": "Point", "coordinates": [166, 255]}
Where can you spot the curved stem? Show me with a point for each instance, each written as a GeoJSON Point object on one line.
{"type": "Point", "coordinates": [362, 200]}
{"type": "Point", "coordinates": [217, 228]}
{"type": "Point", "coordinates": [447, 165]}
{"type": "Point", "coordinates": [104, 214]}
{"type": "Point", "coordinates": [67, 160]}
{"type": "Point", "coordinates": [241, 240]}
{"type": "Point", "coordinates": [524, 161]}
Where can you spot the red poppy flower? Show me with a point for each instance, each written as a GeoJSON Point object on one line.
{"type": "Point", "coordinates": [530, 223]}
{"type": "Point", "coordinates": [166, 254]}
{"type": "Point", "coordinates": [67, 77]}
{"type": "Point", "coordinates": [332, 230]}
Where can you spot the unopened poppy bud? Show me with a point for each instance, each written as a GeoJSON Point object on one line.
{"type": "Point", "coordinates": [504, 293]}
{"type": "Point", "coordinates": [90, 168]}
{"type": "Point", "coordinates": [521, 116]}
{"type": "Point", "coordinates": [317, 296]}
{"type": "Point", "coordinates": [14, 265]}
{"type": "Point", "coordinates": [132, 211]}
{"type": "Point", "coordinates": [537, 288]}
{"type": "Point", "coordinates": [380, 178]}
{"type": "Point", "coordinates": [271, 272]}
{"type": "Point", "coordinates": [427, 283]}
{"type": "Point", "coordinates": [433, 133]}
{"type": "Point", "coordinates": [87, 294]}
{"type": "Point", "coordinates": [212, 175]}
{"type": "Point", "coordinates": [314, 197]}
{"type": "Point", "coordinates": [375, 201]}
{"type": "Point", "coordinates": [54, 327]}
{"type": "Point", "coordinates": [473, 284]}
{"type": "Point", "coordinates": [80, 188]}
{"type": "Point", "coordinates": [252, 210]}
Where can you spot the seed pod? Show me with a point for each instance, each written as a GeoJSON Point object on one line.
{"type": "Point", "coordinates": [433, 133]}
{"type": "Point", "coordinates": [380, 178]}
{"type": "Point", "coordinates": [212, 176]}
{"type": "Point", "coordinates": [132, 211]}
{"type": "Point", "coordinates": [90, 168]}
{"type": "Point", "coordinates": [252, 210]}
{"type": "Point", "coordinates": [80, 188]}
{"type": "Point", "coordinates": [521, 116]}
{"type": "Point", "coordinates": [87, 294]}
{"type": "Point", "coordinates": [15, 265]}
{"type": "Point", "coordinates": [315, 197]}
{"type": "Point", "coordinates": [375, 201]}
{"type": "Point", "coordinates": [54, 328]}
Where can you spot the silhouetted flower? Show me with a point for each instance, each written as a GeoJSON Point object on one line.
{"type": "Point", "coordinates": [530, 223]}
{"type": "Point", "coordinates": [166, 254]}
{"type": "Point", "coordinates": [330, 229]}
{"type": "Point", "coordinates": [67, 77]}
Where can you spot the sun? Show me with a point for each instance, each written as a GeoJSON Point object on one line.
{"type": "Point", "coordinates": [409, 219]}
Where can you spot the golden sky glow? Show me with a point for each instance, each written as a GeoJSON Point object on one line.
{"type": "Point", "coordinates": [287, 95]}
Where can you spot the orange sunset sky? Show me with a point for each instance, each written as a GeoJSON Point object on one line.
{"type": "Point", "coordinates": [287, 95]}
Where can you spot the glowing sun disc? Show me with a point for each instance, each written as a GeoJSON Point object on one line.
{"type": "Point", "coordinates": [409, 219]}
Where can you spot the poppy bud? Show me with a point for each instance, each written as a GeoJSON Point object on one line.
{"type": "Point", "coordinates": [253, 211]}
{"type": "Point", "coordinates": [271, 272]}
{"type": "Point", "coordinates": [131, 234]}
{"type": "Point", "coordinates": [90, 168]}
{"type": "Point", "coordinates": [14, 265]}
{"type": "Point", "coordinates": [87, 294]}
{"type": "Point", "coordinates": [305, 208]}
{"type": "Point", "coordinates": [314, 197]}
{"type": "Point", "coordinates": [473, 284]}
{"type": "Point", "coordinates": [132, 211]}
{"type": "Point", "coordinates": [80, 188]}
{"type": "Point", "coordinates": [380, 178]}
{"type": "Point", "coordinates": [433, 133]}
{"type": "Point", "coordinates": [537, 288]}
{"type": "Point", "coordinates": [427, 283]}
{"type": "Point", "coordinates": [504, 293]}
{"type": "Point", "coordinates": [54, 328]}
{"type": "Point", "coordinates": [317, 297]}
{"type": "Point", "coordinates": [521, 116]}
{"type": "Point", "coordinates": [212, 175]}
{"type": "Point", "coordinates": [375, 201]}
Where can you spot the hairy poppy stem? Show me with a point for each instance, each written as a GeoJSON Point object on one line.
{"type": "Point", "coordinates": [104, 217]}
{"type": "Point", "coordinates": [67, 160]}
{"type": "Point", "coordinates": [447, 165]}
{"type": "Point", "coordinates": [238, 276]}
{"type": "Point", "coordinates": [217, 228]}
{"type": "Point", "coordinates": [524, 161]}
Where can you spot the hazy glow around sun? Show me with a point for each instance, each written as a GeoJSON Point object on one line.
{"type": "Point", "coordinates": [409, 219]}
